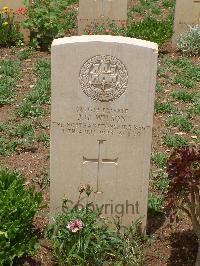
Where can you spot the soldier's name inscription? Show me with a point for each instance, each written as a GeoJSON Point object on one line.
{"type": "Point", "coordinates": [102, 121]}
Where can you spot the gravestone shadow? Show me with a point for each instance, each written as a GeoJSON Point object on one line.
{"type": "Point", "coordinates": [184, 249]}
{"type": "Point", "coordinates": [27, 261]}
{"type": "Point", "coordinates": [154, 222]}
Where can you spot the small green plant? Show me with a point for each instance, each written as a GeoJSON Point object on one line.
{"type": "Point", "coordinates": [7, 90]}
{"type": "Point", "coordinates": [41, 92]}
{"type": "Point", "coordinates": [44, 138]}
{"type": "Point", "coordinates": [189, 42]}
{"type": "Point", "coordinates": [151, 29]}
{"type": "Point", "coordinates": [24, 53]}
{"type": "Point", "coordinates": [9, 74]}
{"type": "Point", "coordinates": [161, 183]}
{"type": "Point", "coordinates": [27, 109]}
{"type": "Point", "coordinates": [106, 27]}
{"type": "Point", "coordinates": [10, 68]}
{"type": "Point", "coordinates": [81, 237]}
{"type": "Point", "coordinates": [42, 69]}
{"type": "Point", "coordinates": [9, 31]}
{"type": "Point", "coordinates": [194, 109]}
{"type": "Point", "coordinates": [159, 88]}
{"type": "Point", "coordinates": [184, 96]}
{"type": "Point", "coordinates": [155, 204]}
{"type": "Point", "coordinates": [25, 129]}
{"type": "Point", "coordinates": [7, 146]}
{"type": "Point", "coordinates": [49, 19]}
{"type": "Point", "coordinates": [18, 207]}
{"type": "Point", "coordinates": [168, 3]}
{"type": "Point", "coordinates": [186, 82]}
{"type": "Point", "coordinates": [179, 121]}
{"type": "Point", "coordinates": [174, 141]}
{"type": "Point", "coordinates": [160, 159]}
{"type": "Point", "coordinates": [164, 108]}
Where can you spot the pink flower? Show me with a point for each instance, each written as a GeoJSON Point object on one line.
{"type": "Point", "coordinates": [75, 225]}
{"type": "Point", "coordinates": [21, 11]}
{"type": "Point", "coordinates": [107, 30]}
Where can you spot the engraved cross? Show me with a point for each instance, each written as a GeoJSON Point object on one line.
{"type": "Point", "coordinates": [99, 162]}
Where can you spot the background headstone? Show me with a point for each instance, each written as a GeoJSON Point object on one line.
{"type": "Point", "coordinates": [101, 129]}
{"type": "Point", "coordinates": [13, 6]}
{"type": "Point", "coordinates": [96, 11]}
{"type": "Point", "coordinates": [187, 13]}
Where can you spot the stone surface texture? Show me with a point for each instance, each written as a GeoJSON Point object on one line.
{"type": "Point", "coordinates": [96, 11]}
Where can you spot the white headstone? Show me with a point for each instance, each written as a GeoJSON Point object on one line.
{"type": "Point", "coordinates": [101, 130]}
{"type": "Point", "coordinates": [187, 13]}
{"type": "Point", "coordinates": [97, 11]}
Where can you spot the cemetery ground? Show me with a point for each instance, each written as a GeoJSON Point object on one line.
{"type": "Point", "coordinates": [24, 139]}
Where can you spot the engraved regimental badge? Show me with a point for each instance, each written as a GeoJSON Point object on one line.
{"type": "Point", "coordinates": [103, 78]}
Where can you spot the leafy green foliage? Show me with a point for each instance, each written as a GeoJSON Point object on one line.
{"type": "Point", "coordinates": [155, 204]}
{"type": "Point", "coordinates": [18, 206]}
{"type": "Point", "coordinates": [181, 122]}
{"type": "Point", "coordinates": [164, 108]}
{"type": "Point", "coordinates": [7, 146]}
{"type": "Point", "coordinates": [151, 29]}
{"type": "Point", "coordinates": [10, 68]}
{"type": "Point", "coordinates": [161, 183]}
{"type": "Point", "coordinates": [93, 241]}
{"type": "Point", "coordinates": [42, 69]}
{"type": "Point", "coordinates": [50, 19]}
{"type": "Point", "coordinates": [160, 159]}
{"type": "Point", "coordinates": [189, 42]}
{"type": "Point", "coordinates": [174, 141]}
{"type": "Point", "coordinates": [9, 31]}
{"type": "Point", "coordinates": [25, 129]}
{"type": "Point", "coordinates": [9, 74]}
{"type": "Point", "coordinates": [184, 96]}
{"type": "Point", "coordinates": [24, 53]}
{"type": "Point", "coordinates": [40, 94]}
{"type": "Point", "coordinates": [27, 109]}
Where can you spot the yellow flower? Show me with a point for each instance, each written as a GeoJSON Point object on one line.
{"type": "Point", "coordinates": [5, 23]}
{"type": "Point", "coordinates": [5, 9]}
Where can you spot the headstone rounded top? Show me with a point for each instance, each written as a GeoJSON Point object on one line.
{"type": "Point", "coordinates": [106, 39]}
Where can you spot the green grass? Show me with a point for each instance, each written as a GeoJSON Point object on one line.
{"type": "Point", "coordinates": [42, 69]}
{"type": "Point", "coordinates": [25, 129]}
{"type": "Point", "coordinates": [183, 81]}
{"type": "Point", "coordinates": [155, 204]}
{"type": "Point", "coordinates": [161, 183]}
{"type": "Point", "coordinates": [152, 8]}
{"type": "Point", "coordinates": [181, 122]}
{"type": "Point", "coordinates": [159, 159]}
{"type": "Point", "coordinates": [151, 29]}
{"type": "Point", "coordinates": [44, 138]}
{"type": "Point", "coordinates": [24, 53]}
{"type": "Point", "coordinates": [174, 141]}
{"type": "Point", "coordinates": [184, 96]}
{"type": "Point", "coordinates": [7, 146]}
{"type": "Point", "coordinates": [194, 109]}
{"type": "Point", "coordinates": [10, 68]}
{"type": "Point", "coordinates": [27, 109]}
{"type": "Point", "coordinates": [9, 74]}
{"type": "Point", "coordinates": [163, 108]}
{"type": "Point", "coordinates": [40, 94]}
